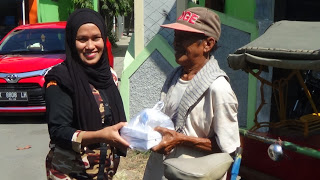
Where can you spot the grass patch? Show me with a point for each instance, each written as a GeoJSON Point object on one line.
{"type": "Point", "coordinates": [132, 167]}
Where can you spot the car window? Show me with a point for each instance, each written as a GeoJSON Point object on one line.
{"type": "Point", "coordinates": [34, 41]}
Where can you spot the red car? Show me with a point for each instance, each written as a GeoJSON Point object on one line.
{"type": "Point", "coordinates": [27, 53]}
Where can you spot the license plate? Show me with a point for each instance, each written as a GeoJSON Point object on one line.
{"type": "Point", "coordinates": [13, 96]}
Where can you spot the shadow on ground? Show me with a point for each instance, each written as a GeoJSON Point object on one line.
{"type": "Point", "coordinates": [22, 120]}
{"type": "Point", "coordinates": [119, 51]}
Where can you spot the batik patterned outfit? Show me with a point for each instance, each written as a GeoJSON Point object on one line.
{"type": "Point", "coordinates": [77, 162]}
{"type": "Point", "coordinates": [73, 108]}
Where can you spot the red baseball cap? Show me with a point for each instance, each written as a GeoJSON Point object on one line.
{"type": "Point", "coordinates": [198, 20]}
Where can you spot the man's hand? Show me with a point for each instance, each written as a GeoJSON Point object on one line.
{"type": "Point", "coordinates": [170, 139]}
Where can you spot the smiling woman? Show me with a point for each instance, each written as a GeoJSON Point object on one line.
{"type": "Point", "coordinates": [27, 53]}
{"type": "Point", "coordinates": [89, 43]}
{"type": "Point", "coordinates": [84, 106]}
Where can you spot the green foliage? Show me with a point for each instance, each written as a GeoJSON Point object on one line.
{"type": "Point", "coordinates": [82, 4]}
{"type": "Point", "coordinates": [112, 38]}
{"type": "Point", "coordinates": [114, 8]}
{"type": "Point", "coordinates": [65, 8]}
{"type": "Point", "coordinates": [117, 7]}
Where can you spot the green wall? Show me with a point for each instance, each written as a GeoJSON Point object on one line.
{"type": "Point", "coordinates": [52, 11]}
{"type": "Point", "coordinates": [242, 9]}
{"type": "Point", "coordinates": [48, 11]}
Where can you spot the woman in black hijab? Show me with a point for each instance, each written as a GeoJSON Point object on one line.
{"type": "Point", "coordinates": [84, 107]}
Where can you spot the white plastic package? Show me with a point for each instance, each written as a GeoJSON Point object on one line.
{"type": "Point", "coordinates": [140, 132]}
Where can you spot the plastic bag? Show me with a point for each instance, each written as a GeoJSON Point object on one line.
{"type": "Point", "coordinates": [140, 132]}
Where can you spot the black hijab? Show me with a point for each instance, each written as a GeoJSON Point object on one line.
{"type": "Point", "coordinates": [75, 76]}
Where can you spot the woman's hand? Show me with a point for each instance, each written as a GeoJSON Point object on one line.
{"type": "Point", "coordinates": [111, 136]}
{"type": "Point", "coordinates": [170, 139]}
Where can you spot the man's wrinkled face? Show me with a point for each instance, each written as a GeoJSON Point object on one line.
{"type": "Point", "coordinates": [188, 46]}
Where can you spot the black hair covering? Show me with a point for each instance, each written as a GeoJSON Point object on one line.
{"type": "Point", "coordinates": [75, 76]}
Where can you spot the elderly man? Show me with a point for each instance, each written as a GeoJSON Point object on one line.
{"type": "Point", "coordinates": [197, 95]}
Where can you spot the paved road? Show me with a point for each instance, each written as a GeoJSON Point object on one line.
{"type": "Point", "coordinates": [27, 164]}
{"type": "Point", "coordinates": [119, 53]}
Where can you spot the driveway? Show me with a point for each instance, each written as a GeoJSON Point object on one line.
{"type": "Point", "coordinates": [19, 133]}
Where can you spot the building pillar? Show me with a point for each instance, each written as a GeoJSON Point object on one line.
{"type": "Point", "coordinates": [138, 27]}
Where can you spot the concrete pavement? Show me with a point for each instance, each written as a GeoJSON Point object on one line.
{"type": "Point", "coordinates": [119, 53]}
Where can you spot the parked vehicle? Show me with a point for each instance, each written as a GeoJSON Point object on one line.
{"type": "Point", "coordinates": [27, 53]}
{"type": "Point", "coordinates": [290, 51]}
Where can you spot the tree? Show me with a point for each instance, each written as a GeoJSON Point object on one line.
{"type": "Point", "coordinates": [114, 8]}
{"type": "Point", "coordinates": [82, 4]}
{"type": "Point", "coordinates": [108, 9]}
